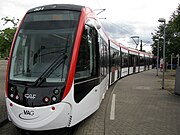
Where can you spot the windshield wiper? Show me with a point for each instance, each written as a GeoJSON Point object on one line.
{"type": "Point", "coordinates": [61, 58]}
{"type": "Point", "coordinates": [50, 69]}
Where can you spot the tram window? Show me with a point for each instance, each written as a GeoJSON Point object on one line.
{"type": "Point", "coordinates": [103, 56]}
{"type": "Point", "coordinates": [130, 60]}
{"type": "Point", "coordinates": [141, 61]}
{"type": "Point", "coordinates": [136, 60]}
{"type": "Point", "coordinates": [124, 59]}
{"type": "Point", "coordinates": [115, 58]}
{"type": "Point", "coordinates": [119, 59]}
{"type": "Point", "coordinates": [147, 61]}
{"type": "Point", "coordinates": [150, 61]}
{"type": "Point", "coordinates": [86, 66]}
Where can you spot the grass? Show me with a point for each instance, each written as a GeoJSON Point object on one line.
{"type": "Point", "coordinates": [169, 80]}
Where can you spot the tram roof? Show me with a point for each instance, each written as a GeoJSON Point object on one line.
{"type": "Point", "coordinates": [57, 7]}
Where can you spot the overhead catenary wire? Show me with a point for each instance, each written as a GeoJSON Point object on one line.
{"type": "Point", "coordinates": [118, 26]}
{"type": "Point", "coordinates": [121, 30]}
{"type": "Point", "coordinates": [102, 10]}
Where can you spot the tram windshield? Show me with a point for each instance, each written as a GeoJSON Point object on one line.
{"type": "Point", "coordinates": [43, 46]}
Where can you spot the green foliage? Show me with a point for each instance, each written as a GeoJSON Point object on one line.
{"type": "Point", "coordinates": [6, 36]}
{"type": "Point", "coordinates": [172, 36]}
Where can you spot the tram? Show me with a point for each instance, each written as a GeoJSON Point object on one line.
{"type": "Point", "coordinates": [60, 66]}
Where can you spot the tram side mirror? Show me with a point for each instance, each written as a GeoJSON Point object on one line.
{"type": "Point", "coordinates": [93, 24]}
{"type": "Point", "coordinates": [90, 23]}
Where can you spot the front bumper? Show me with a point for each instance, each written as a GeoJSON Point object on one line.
{"type": "Point", "coordinates": [39, 118]}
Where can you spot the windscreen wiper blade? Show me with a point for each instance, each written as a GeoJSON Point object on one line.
{"type": "Point", "coordinates": [50, 69]}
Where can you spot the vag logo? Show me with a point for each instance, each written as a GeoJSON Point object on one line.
{"type": "Point", "coordinates": [27, 112]}
{"type": "Point", "coordinates": [30, 96]}
{"type": "Point", "coordinates": [28, 115]}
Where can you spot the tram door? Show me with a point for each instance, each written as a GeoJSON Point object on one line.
{"type": "Point", "coordinates": [114, 64]}
{"type": "Point", "coordinates": [87, 71]}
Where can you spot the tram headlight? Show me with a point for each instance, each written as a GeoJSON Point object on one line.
{"type": "Point", "coordinates": [17, 97]}
{"type": "Point", "coordinates": [56, 91]}
{"type": "Point", "coordinates": [46, 99]}
{"type": "Point", "coordinates": [12, 89]}
{"type": "Point", "coordinates": [11, 95]}
{"type": "Point", "coordinates": [12, 92]}
{"type": "Point", "coordinates": [54, 99]}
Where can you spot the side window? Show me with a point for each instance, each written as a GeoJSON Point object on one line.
{"type": "Point", "coordinates": [124, 60]}
{"type": "Point", "coordinates": [86, 66]}
{"type": "Point", "coordinates": [115, 58]}
{"type": "Point", "coordinates": [141, 62]}
{"type": "Point", "coordinates": [130, 60]}
{"type": "Point", "coordinates": [103, 55]}
{"type": "Point", "coordinates": [135, 60]}
{"type": "Point", "coordinates": [123, 63]}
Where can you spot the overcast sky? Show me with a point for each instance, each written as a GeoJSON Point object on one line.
{"type": "Point", "coordinates": [124, 18]}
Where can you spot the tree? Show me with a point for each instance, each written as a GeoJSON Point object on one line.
{"type": "Point", "coordinates": [172, 36]}
{"type": "Point", "coordinates": [6, 36]}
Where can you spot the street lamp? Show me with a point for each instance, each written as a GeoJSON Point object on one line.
{"type": "Point", "coordinates": [177, 60]}
{"type": "Point", "coordinates": [157, 59]}
{"type": "Point", "coordinates": [172, 55]}
{"type": "Point", "coordinates": [162, 20]}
